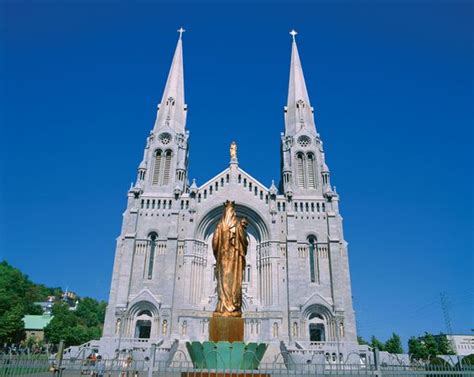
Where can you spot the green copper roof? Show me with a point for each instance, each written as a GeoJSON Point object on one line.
{"type": "Point", "coordinates": [36, 322]}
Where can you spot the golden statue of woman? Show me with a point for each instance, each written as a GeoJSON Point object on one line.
{"type": "Point", "coordinates": [229, 244]}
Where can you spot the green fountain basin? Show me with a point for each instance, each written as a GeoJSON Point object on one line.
{"type": "Point", "coordinates": [226, 355]}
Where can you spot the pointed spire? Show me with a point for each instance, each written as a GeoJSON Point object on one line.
{"type": "Point", "coordinates": [299, 113]}
{"type": "Point", "coordinates": [172, 109]}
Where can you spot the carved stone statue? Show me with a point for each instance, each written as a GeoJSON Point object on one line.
{"type": "Point", "coordinates": [233, 150]}
{"type": "Point", "coordinates": [229, 245]}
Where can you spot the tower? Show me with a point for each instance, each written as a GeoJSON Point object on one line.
{"type": "Point", "coordinates": [304, 171]}
{"type": "Point", "coordinates": [165, 161]}
{"type": "Point", "coordinates": [141, 291]}
{"type": "Point", "coordinates": [320, 270]}
{"type": "Point", "coordinates": [296, 284]}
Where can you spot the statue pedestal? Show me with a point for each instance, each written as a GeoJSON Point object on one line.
{"type": "Point", "coordinates": [230, 329]}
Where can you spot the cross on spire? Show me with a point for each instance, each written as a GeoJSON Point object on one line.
{"type": "Point", "coordinates": [181, 31]}
{"type": "Point", "coordinates": [293, 33]}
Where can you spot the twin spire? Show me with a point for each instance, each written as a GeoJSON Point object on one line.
{"type": "Point", "coordinates": [172, 109]}
{"type": "Point", "coordinates": [299, 113]}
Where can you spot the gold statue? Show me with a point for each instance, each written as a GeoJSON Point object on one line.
{"type": "Point", "coordinates": [229, 244]}
{"type": "Point", "coordinates": [233, 150]}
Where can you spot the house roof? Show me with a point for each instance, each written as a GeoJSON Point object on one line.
{"type": "Point", "coordinates": [36, 322]}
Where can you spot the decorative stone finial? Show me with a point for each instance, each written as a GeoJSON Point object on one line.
{"type": "Point", "coordinates": [193, 187]}
{"type": "Point", "coordinates": [273, 189]}
{"type": "Point", "coordinates": [181, 31]}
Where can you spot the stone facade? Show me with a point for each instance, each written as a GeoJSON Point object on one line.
{"type": "Point", "coordinates": [296, 284]}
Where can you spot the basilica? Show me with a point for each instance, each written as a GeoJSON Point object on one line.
{"type": "Point", "coordinates": [296, 282]}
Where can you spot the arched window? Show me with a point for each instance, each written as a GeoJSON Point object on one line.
{"type": "Point", "coordinates": [151, 259]}
{"type": "Point", "coordinates": [167, 167]}
{"type": "Point", "coordinates": [313, 260]}
{"type": "Point", "coordinates": [157, 167]}
{"type": "Point", "coordinates": [300, 170]}
{"type": "Point", "coordinates": [246, 274]}
{"type": "Point", "coordinates": [310, 168]}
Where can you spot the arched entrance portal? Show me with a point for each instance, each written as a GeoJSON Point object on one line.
{"type": "Point", "coordinates": [320, 322]}
{"type": "Point", "coordinates": [141, 321]}
{"type": "Point", "coordinates": [143, 329]}
{"type": "Point", "coordinates": [143, 325]}
{"type": "Point", "coordinates": [316, 332]}
{"type": "Point", "coordinates": [257, 282]}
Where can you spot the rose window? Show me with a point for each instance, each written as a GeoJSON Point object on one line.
{"type": "Point", "coordinates": [304, 141]}
{"type": "Point", "coordinates": [165, 138]}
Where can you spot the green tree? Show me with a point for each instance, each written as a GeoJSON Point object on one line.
{"type": "Point", "coordinates": [375, 343]}
{"type": "Point", "coordinates": [431, 345]}
{"type": "Point", "coordinates": [18, 296]}
{"type": "Point", "coordinates": [468, 360]}
{"type": "Point", "coordinates": [444, 345]}
{"type": "Point", "coordinates": [91, 312]}
{"type": "Point", "coordinates": [76, 327]}
{"type": "Point", "coordinates": [31, 342]}
{"type": "Point", "coordinates": [17, 289]}
{"type": "Point", "coordinates": [362, 341]}
{"type": "Point", "coordinates": [417, 349]}
{"type": "Point", "coordinates": [62, 324]}
{"type": "Point", "coordinates": [11, 325]}
{"type": "Point", "coordinates": [394, 344]}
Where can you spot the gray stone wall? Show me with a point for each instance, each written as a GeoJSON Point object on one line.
{"type": "Point", "coordinates": [277, 290]}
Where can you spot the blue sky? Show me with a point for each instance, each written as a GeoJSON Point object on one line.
{"type": "Point", "coordinates": [391, 83]}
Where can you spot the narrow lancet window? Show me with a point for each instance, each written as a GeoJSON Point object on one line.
{"type": "Point", "coordinates": [156, 168]}
{"type": "Point", "coordinates": [300, 167]}
{"type": "Point", "coordinates": [312, 260]}
{"type": "Point", "coordinates": [311, 174]}
{"type": "Point", "coordinates": [167, 168]}
{"type": "Point", "coordinates": [151, 259]}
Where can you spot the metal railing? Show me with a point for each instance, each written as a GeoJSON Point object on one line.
{"type": "Point", "coordinates": [40, 366]}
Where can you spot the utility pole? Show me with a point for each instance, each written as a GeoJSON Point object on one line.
{"type": "Point", "coordinates": [447, 319]}
{"type": "Point", "coordinates": [445, 308]}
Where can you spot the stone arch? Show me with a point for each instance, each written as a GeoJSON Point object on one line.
{"type": "Point", "coordinates": [142, 320]}
{"type": "Point", "coordinates": [311, 235]}
{"type": "Point", "coordinates": [257, 225]}
{"type": "Point", "coordinates": [258, 234]}
{"type": "Point", "coordinates": [320, 323]}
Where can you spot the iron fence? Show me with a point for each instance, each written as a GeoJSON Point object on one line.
{"type": "Point", "coordinates": [42, 367]}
